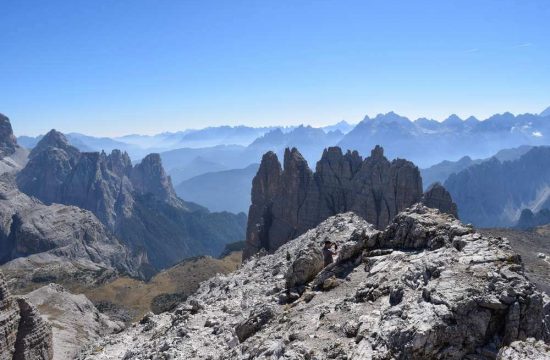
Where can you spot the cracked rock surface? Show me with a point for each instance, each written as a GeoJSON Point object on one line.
{"type": "Point", "coordinates": [427, 287]}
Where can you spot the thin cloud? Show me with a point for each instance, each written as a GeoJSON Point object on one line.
{"type": "Point", "coordinates": [524, 45]}
{"type": "Point", "coordinates": [470, 51]}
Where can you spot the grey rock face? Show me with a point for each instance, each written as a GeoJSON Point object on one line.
{"type": "Point", "coordinates": [75, 320]}
{"type": "Point", "coordinates": [23, 333]}
{"type": "Point", "coordinates": [8, 143]}
{"type": "Point", "coordinates": [37, 240]}
{"type": "Point", "coordinates": [137, 203]}
{"type": "Point", "coordinates": [529, 349]}
{"type": "Point", "coordinates": [437, 197]}
{"type": "Point", "coordinates": [450, 294]}
{"type": "Point", "coordinates": [286, 203]}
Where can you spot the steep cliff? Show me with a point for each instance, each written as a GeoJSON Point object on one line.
{"type": "Point", "coordinates": [23, 333]}
{"type": "Point", "coordinates": [286, 203]}
{"type": "Point", "coordinates": [137, 203]}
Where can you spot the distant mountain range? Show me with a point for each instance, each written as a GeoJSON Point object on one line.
{"type": "Point", "coordinates": [427, 142]}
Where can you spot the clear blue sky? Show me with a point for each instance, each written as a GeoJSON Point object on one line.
{"type": "Point", "coordinates": [136, 66]}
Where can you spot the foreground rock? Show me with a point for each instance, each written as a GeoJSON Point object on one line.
{"type": "Point", "coordinates": [521, 350]}
{"type": "Point", "coordinates": [428, 287]}
{"type": "Point", "coordinates": [286, 203]}
{"type": "Point", "coordinates": [75, 320]}
{"type": "Point", "coordinates": [23, 333]}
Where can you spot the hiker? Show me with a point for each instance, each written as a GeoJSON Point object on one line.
{"type": "Point", "coordinates": [328, 253]}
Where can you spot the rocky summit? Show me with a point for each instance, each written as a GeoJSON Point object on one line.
{"type": "Point", "coordinates": [427, 287]}
{"type": "Point", "coordinates": [288, 202]}
{"type": "Point", "coordinates": [137, 203]}
{"type": "Point", "coordinates": [23, 333]}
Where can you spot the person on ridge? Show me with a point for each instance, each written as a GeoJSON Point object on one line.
{"type": "Point", "coordinates": [328, 253]}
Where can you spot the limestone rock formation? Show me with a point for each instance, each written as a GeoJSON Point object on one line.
{"type": "Point", "coordinates": [137, 203]}
{"type": "Point", "coordinates": [23, 333]}
{"type": "Point", "coordinates": [530, 349]}
{"type": "Point", "coordinates": [437, 197]}
{"type": "Point", "coordinates": [427, 287]}
{"type": "Point", "coordinates": [75, 320]}
{"type": "Point", "coordinates": [8, 143]}
{"type": "Point", "coordinates": [40, 242]}
{"type": "Point", "coordinates": [12, 157]}
{"type": "Point", "coordinates": [286, 203]}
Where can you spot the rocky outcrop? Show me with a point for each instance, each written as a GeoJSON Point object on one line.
{"type": "Point", "coordinates": [137, 203]}
{"type": "Point", "coordinates": [286, 203]}
{"type": "Point", "coordinates": [149, 177]}
{"type": "Point", "coordinates": [530, 349]}
{"type": "Point", "coordinates": [23, 333]}
{"type": "Point", "coordinates": [427, 287]}
{"type": "Point", "coordinates": [75, 320]}
{"type": "Point", "coordinates": [8, 143]}
{"type": "Point", "coordinates": [437, 197]}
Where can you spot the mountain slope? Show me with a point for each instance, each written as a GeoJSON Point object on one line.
{"type": "Point", "coordinates": [440, 172]}
{"type": "Point", "coordinates": [227, 190]}
{"type": "Point", "coordinates": [494, 193]}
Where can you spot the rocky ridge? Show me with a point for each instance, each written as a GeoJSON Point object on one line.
{"type": "Point", "coordinates": [137, 203]}
{"type": "Point", "coordinates": [23, 333]}
{"type": "Point", "coordinates": [75, 320]}
{"type": "Point", "coordinates": [427, 287]}
{"type": "Point", "coordinates": [286, 202]}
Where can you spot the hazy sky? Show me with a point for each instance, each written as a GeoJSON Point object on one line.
{"type": "Point", "coordinates": [136, 66]}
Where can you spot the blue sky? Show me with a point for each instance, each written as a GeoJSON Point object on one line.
{"type": "Point", "coordinates": [147, 66]}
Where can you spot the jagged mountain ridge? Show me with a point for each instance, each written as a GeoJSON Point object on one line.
{"type": "Point", "coordinates": [453, 138]}
{"type": "Point", "coordinates": [137, 203]}
{"type": "Point", "coordinates": [286, 202]}
{"type": "Point", "coordinates": [457, 295]}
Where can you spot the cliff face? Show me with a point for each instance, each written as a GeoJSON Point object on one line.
{"type": "Point", "coordinates": [24, 335]}
{"type": "Point", "coordinates": [286, 203]}
{"type": "Point", "coordinates": [137, 203]}
{"type": "Point", "coordinates": [8, 143]}
{"type": "Point", "coordinates": [437, 197]}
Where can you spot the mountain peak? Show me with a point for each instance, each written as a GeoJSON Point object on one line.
{"type": "Point", "coordinates": [453, 119]}
{"type": "Point", "coordinates": [546, 112]}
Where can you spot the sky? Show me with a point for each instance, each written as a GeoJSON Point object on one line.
{"type": "Point", "coordinates": [146, 66]}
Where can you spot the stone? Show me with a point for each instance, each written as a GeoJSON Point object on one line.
{"type": "Point", "coordinates": [24, 335]}
{"type": "Point", "coordinates": [437, 197]}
